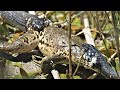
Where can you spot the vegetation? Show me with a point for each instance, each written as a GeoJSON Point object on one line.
{"type": "Point", "coordinates": [104, 27]}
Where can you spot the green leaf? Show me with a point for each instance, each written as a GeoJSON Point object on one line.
{"type": "Point", "coordinates": [76, 22]}
{"type": "Point", "coordinates": [24, 74]}
{"type": "Point", "coordinates": [108, 43]}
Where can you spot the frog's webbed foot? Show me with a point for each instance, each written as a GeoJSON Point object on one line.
{"type": "Point", "coordinates": [24, 43]}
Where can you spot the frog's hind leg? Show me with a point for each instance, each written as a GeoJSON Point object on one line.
{"type": "Point", "coordinates": [24, 43]}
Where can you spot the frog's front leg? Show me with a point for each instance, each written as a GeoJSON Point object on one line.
{"type": "Point", "coordinates": [47, 63]}
{"type": "Point", "coordinates": [24, 43]}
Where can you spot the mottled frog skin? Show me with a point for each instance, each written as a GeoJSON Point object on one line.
{"type": "Point", "coordinates": [58, 44]}
{"type": "Point", "coordinates": [54, 41]}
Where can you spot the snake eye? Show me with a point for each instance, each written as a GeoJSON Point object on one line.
{"type": "Point", "coordinates": [84, 47]}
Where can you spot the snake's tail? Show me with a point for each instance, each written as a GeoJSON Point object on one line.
{"type": "Point", "coordinates": [20, 19]}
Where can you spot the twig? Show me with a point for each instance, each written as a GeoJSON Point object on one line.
{"type": "Point", "coordinates": [101, 34]}
{"type": "Point", "coordinates": [69, 33]}
{"type": "Point", "coordinates": [114, 63]}
{"type": "Point", "coordinates": [65, 23]}
{"type": "Point", "coordinates": [93, 76]}
{"type": "Point", "coordinates": [116, 34]}
{"type": "Point", "coordinates": [79, 33]}
{"type": "Point", "coordinates": [76, 15]}
{"type": "Point", "coordinates": [77, 66]}
{"type": "Point", "coordinates": [76, 69]}
{"type": "Point", "coordinates": [112, 56]}
{"type": "Point", "coordinates": [32, 12]}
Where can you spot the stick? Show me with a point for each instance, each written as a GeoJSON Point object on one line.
{"type": "Point", "coordinates": [87, 32]}
{"type": "Point", "coordinates": [55, 74]}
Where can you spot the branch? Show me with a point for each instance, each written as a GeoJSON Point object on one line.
{"type": "Point", "coordinates": [87, 32]}
{"type": "Point", "coordinates": [69, 33]}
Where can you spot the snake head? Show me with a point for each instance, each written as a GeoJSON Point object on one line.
{"type": "Point", "coordinates": [84, 48]}
{"type": "Point", "coordinates": [90, 54]}
{"type": "Point", "coordinates": [37, 23]}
